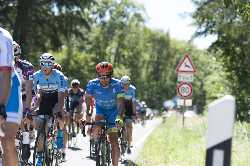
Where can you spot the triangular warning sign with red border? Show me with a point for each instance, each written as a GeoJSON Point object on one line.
{"type": "Point", "coordinates": [186, 65]}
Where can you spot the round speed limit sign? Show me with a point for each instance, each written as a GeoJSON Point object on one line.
{"type": "Point", "coordinates": [184, 89]}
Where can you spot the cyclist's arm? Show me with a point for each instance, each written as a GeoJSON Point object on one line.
{"type": "Point", "coordinates": [120, 104]}
{"type": "Point", "coordinates": [5, 69]}
{"type": "Point", "coordinates": [134, 102]}
{"type": "Point", "coordinates": [61, 91]}
{"type": "Point", "coordinates": [88, 102]}
{"type": "Point", "coordinates": [61, 95]}
{"type": "Point", "coordinates": [5, 85]}
{"type": "Point", "coordinates": [82, 97]}
{"type": "Point", "coordinates": [89, 96]}
{"type": "Point", "coordinates": [28, 87]}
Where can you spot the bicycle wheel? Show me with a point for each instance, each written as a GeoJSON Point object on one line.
{"type": "Point", "coordinates": [108, 153]}
{"type": "Point", "coordinates": [103, 156]}
{"type": "Point", "coordinates": [123, 141]}
{"type": "Point", "coordinates": [91, 148]}
{"type": "Point", "coordinates": [41, 155]}
{"type": "Point", "coordinates": [97, 153]}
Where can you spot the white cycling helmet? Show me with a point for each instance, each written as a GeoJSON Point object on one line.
{"type": "Point", "coordinates": [47, 60]}
{"type": "Point", "coordinates": [125, 80]}
{"type": "Point", "coordinates": [75, 82]}
{"type": "Point", "coordinates": [16, 48]}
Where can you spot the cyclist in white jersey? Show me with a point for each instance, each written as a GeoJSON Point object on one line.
{"type": "Point", "coordinates": [10, 99]}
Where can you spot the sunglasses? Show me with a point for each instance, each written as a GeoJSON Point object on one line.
{"type": "Point", "coordinates": [104, 77]}
{"type": "Point", "coordinates": [46, 64]}
{"type": "Point", "coordinates": [127, 84]}
{"type": "Point", "coordinates": [75, 86]}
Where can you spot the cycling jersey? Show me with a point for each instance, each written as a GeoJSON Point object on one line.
{"type": "Point", "coordinates": [54, 82]}
{"type": "Point", "coordinates": [129, 96]}
{"type": "Point", "coordinates": [106, 98]}
{"type": "Point", "coordinates": [66, 83]}
{"type": "Point", "coordinates": [24, 69]}
{"type": "Point", "coordinates": [14, 104]}
{"type": "Point", "coordinates": [6, 53]}
{"type": "Point", "coordinates": [74, 98]}
{"type": "Point", "coordinates": [49, 86]}
{"type": "Point", "coordinates": [130, 93]}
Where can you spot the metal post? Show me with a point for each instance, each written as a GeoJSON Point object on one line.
{"type": "Point", "coordinates": [183, 112]}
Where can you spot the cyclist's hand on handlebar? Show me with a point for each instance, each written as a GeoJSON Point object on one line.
{"type": "Point", "coordinates": [3, 111]}
{"type": "Point", "coordinates": [27, 113]}
{"type": "Point", "coordinates": [119, 121]}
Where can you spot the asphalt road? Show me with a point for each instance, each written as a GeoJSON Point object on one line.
{"type": "Point", "coordinates": [79, 154]}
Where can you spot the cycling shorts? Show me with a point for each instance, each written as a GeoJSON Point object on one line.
{"type": "Point", "coordinates": [109, 115]}
{"type": "Point", "coordinates": [14, 105]}
{"type": "Point", "coordinates": [48, 103]}
{"type": "Point", "coordinates": [73, 107]}
{"type": "Point", "coordinates": [128, 108]}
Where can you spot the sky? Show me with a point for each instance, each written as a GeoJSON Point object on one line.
{"type": "Point", "coordinates": [172, 16]}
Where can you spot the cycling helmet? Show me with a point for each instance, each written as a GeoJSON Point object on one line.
{"type": "Point", "coordinates": [47, 60]}
{"type": "Point", "coordinates": [57, 66]}
{"type": "Point", "coordinates": [75, 82]}
{"type": "Point", "coordinates": [16, 48]}
{"type": "Point", "coordinates": [104, 68]}
{"type": "Point", "coordinates": [125, 80]}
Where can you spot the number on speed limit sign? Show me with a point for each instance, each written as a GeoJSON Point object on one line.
{"type": "Point", "coordinates": [184, 89]}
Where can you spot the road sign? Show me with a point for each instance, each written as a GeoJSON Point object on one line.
{"type": "Point", "coordinates": [185, 77]}
{"type": "Point", "coordinates": [186, 65]}
{"type": "Point", "coordinates": [184, 102]}
{"type": "Point", "coordinates": [184, 89]}
{"type": "Point", "coordinates": [220, 131]}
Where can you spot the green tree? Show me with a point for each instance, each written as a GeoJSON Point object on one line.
{"type": "Point", "coordinates": [44, 25]}
{"type": "Point", "coordinates": [230, 22]}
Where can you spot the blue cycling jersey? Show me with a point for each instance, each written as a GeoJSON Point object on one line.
{"type": "Point", "coordinates": [66, 82]}
{"type": "Point", "coordinates": [105, 97]}
{"type": "Point", "coordinates": [130, 93]}
{"type": "Point", "coordinates": [55, 81]}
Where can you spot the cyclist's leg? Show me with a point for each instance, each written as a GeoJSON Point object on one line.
{"type": "Point", "coordinates": [97, 129]}
{"type": "Point", "coordinates": [14, 116]}
{"type": "Point", "coordinates": [39, 123]}
{"type": "Point", "coordinates": [66, 129]}
{"type": "Point", "coordinates": [8, 144]}
{"type": "Point", "coordinates": [110, 117]}
{"type": "Point", "coordinates": [129, 130]}
{"type": "Point", "coordinates": [79, 116]}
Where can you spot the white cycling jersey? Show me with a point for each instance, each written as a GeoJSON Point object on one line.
{"type": "Point", "coordinates": [6, 50]}
{"type": "Point", "coordinates": [14, 104]}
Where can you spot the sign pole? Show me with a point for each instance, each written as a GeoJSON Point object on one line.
{"type": "Point", "coordinates": [183, 112]}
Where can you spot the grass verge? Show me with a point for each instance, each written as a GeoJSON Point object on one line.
{"type": "Point", "coordinates": [172, 145]}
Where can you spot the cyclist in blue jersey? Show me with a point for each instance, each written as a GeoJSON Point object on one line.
{"type": "Point", "coordinates": [130, 108]}
{"type": "Point", "coordinates": [10, 103]}
{"type": "Point", "coordinates": [49, 85]}
{"type": "Point", "coordinates": [108, 95]}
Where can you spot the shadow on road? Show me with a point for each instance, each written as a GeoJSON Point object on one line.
{"type": "Point", "coordinates": [129, 163]}
{"type": "Point", "coordinates": [74, 148]}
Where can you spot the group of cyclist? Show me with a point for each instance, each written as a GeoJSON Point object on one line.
{"type": "Point", "coordinates": [28, 98]}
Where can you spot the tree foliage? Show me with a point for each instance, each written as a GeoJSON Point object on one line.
{"type": "Point", "coordinates": [45, 24]}
{"type": "Point", "coordinates": [81, 33]}
{"type": "Point", "coordinates": [230, 22]}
